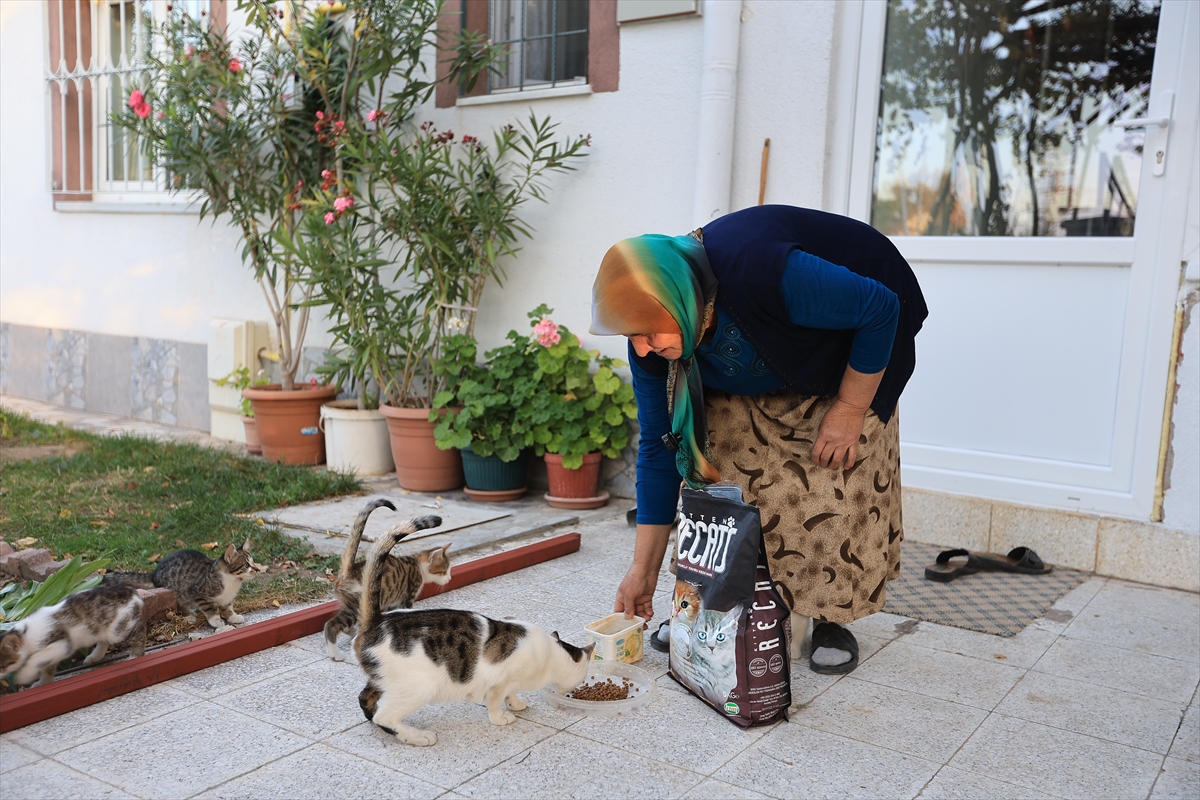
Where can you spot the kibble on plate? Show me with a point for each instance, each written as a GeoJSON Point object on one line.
{"type": "Point", "coordinates": [603, 691]}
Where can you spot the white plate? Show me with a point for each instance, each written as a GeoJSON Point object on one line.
{"type": "Point", "coordinates": [641, 694]}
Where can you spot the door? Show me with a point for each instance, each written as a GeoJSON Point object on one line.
{"type": "Point", "coordinates": [1031, 159]}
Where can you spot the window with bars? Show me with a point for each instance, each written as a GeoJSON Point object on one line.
{"type": "Point", "coordinates": [94, 51]}
{"type": "Point", "coordinates": [546, 43]}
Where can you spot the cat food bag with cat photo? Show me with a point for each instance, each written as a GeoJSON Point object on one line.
{"type": "Point", "coordinates": [730, 629]}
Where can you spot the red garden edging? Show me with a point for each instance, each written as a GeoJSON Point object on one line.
{"type": "Point", "coordinates": [69, 694]}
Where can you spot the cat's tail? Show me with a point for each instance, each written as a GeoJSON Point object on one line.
{"type": "Point", "coordinates": [369, 611]}
{"type": "Point", "coordinates": [356, 532]}
{"type": "Point", "coordinates": [144, 580]}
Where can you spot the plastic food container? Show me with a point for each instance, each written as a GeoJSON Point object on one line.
{"type": "Point", "coordinates": [642, 693]}
{"type": "Point", "coordinates": [616, 638]}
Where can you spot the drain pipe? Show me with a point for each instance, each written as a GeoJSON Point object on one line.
{"type": "Point", "coordinates": [718, 85]}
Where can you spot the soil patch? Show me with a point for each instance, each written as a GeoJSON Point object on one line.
{"type": "Point", "coordinates": [15, 453]}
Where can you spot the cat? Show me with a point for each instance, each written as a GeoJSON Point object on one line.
{"type": "Point", "coordinates": [206, 583]}
{"type": "Point", "coordinates": [104, 616]}
{"type": "Point", "coordinates": [685, 605]}
{"type": "Point", "coordinates": [416, 657]}
{"type": "Point", "coordinates": [400, 578]}
{"type": "Point", "coordinates": [714, 652]}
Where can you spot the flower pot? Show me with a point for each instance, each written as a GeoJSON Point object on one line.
{"type": "Point", "coordinates": [420, 465]}
{"type": "Point", "coordinates": [488, 478]}
{"type": "Point", "coordinates": [356, 440]}
{"type": "Point", "coordinates": [574, 488]}
{"type": "Point", "coordinates": [253, 443]}
{"type": "Point", "coordinates": [288, 422]}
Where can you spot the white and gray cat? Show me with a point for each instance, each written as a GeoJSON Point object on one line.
{"type": "Point", "coordinates": [714, 652]}
{"type": "Point", "coordinates": [99, 618]}
{"type": "Point", "coordinates": [416, 657]}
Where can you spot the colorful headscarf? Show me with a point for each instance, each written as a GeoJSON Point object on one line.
{"type": "Point", "coordinates": [663, 284]}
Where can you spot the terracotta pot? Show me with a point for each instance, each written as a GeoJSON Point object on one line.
{"type": "Point", "coordinates": [253, 443]}
{"type": "Point", "coordinates": [288, 422]}
{"type": "Point", "coordinates": [580, 482]}
{"type": "Point", "coordinates": [420, 465]}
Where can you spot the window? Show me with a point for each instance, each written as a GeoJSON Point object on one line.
{"type": "Point", "coordinates": [545, 42]}
{"type": "Point", "coordinates": [1004, 119]}
{"type": "Point", "coordinates": [94, 48]}
{"type": "Point", "coordinates": [568, 44]}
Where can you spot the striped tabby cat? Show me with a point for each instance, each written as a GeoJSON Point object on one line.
{"type": "Point", "coordinates": [400, 577]}
{"type": "Point", "coordinates": [205, 583]}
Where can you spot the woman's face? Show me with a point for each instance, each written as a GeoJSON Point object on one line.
{"type": "Point", "coordinates": [667, 345]}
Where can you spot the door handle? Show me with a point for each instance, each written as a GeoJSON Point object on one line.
{"type": "Point", "coordinates": [1156, 142]}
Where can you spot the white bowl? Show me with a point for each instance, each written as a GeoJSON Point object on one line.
{"type": "Point", "coordinates": [641, 694]}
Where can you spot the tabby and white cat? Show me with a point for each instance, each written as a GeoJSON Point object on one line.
{"type": "Point", "coordinates": [416, 657]}
{"type": "Point", "coordinates": [400, 578]}
{"type": "Point", "coordinates": [104, 616]}
{"type": "Point", "coordinates": [205, 583]}
{"type": "Point", "coordinates": [714, 652]}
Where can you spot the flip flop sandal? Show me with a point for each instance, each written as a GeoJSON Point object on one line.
{"type": "Point", "coordinates": [658, 644]}
{"type": "Point", "coordinates": [834, 636]}
{"type": "Point", "coordinates": [944, 572]}
{"type": "Point", "coordinates": [1020, 559]}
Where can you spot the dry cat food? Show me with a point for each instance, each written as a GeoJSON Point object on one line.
{"type": "Point", "coordinates": [604, 691]}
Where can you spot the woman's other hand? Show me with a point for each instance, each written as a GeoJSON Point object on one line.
{"type": "Point", "coordinates": [837, 438]}
{"type": "Point", "coordinates": [635, 595]}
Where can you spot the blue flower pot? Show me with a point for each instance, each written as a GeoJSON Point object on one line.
{"type": "Point", "coordinates": [490, 474]}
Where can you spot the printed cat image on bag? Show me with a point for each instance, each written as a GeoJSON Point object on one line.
{"type": "Point", "coordinates": [730, 630]}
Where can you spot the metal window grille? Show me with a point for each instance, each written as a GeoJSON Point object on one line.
{"type": "Point", "coordinates": [94, 52]}
{"type": "Point", "coordinates": [546, 43]}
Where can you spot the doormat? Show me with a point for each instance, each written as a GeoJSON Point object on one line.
{"type": "Point", "coordinates": [1002, 603]}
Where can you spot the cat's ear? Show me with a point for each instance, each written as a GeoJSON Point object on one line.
{"type": "Point", "coordinates": [11, 643]}
{"type": "Point", "coordinates": [246, 545]}
{"type": "Point", "coordinates": [446, 549]}
{"type": "Point", "coordinates": [555, 635]}
{"type": "Point", "coordinates": [587, 651]}
{"type": "Point", "coordinates": [230, 552]}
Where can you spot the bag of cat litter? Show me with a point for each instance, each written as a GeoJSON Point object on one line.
{"type": "Point", "coordinates": [730, 629]}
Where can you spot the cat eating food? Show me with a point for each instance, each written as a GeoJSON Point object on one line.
{"type": "Point", "coordinates": [400, 577]}
{"type": "Point", "coordinates": [103, 617]}
{"type": "Point", "coordinates": [416, 657]}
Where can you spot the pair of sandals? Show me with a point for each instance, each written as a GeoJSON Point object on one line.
{"type": "Point", "coordinates": [827, 635]}
{"type": "Point", "coordinates": [1021, 560]}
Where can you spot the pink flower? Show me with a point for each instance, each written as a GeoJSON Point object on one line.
{"type": "Point", "coordinates": [343, 203]}
{"type": "Point", "coordinates": [326, 174]}
{"type": "Point", "coordinates": [191, 49]}
{"type": "Point", "coordinates": [235, 65]}
{"type": "Point", "coordinates": [374, 115]}
{"type": "Point", "coordinates": [329, 218]}
{"type": "Point", "coordinates": [320, 115]}
{"type": "Point", "coordinates": [340, 124]}
{"type": "Point", "coordinates": [142, 110]}
{"type": "Point", "coordinates": [546, 333]}
{"type": "Point", "coordinates": [135, 98]}
{"type": "Point", "coordinates": [159, 115]}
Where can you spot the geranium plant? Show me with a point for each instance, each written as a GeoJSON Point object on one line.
{"type": "Point", "coordinates": [240, 379]}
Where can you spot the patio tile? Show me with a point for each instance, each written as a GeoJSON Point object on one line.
{"type": "Point", "coordinates": [710, 740]}
{"type": "Point", "coordinates": [881, 625]}
{"type": "Point", "coordinates": [320, 772]}
{"type": "Point", "coordinates": [1086, 708]}
{"type": "Point", "coordinates": [1119, 628]}
{"type": "Point", "coordinates": [207, 744]}
{"type": "Point", "coordinates": [1179, 780]}
{"type": "Point", "coordinates": [911, 723]}
{"type": "Point", "coordinates": [1022, 650]}
{"type": "Point", "coordinates": [954, 784]}
{"type": "Point", "coordinates": [710, 789]}
{"type": "Point", "coordinates": [798, 761]}
{"type": "Point", "coordinates": [50, 780]}
{"type": "Point", "coordinates": [1187, 740]}
{"type": "Point", "coordinates": [568, 766]}
{"type": "Point", "coordinates": [1064, 610]}
{"type": "Point", "coordinates": [1170, 605]}
{"type": "Point", "coordinates": [541, 712]}
{"type": "Point", "coordinates": [1126, 670]}
{"type": "Point", "coordinates": [315, 701]}
{"type": "Point", "coordinates": [468, 743]}
{"type": "Point", "coordinates": [68, 730]}
{"type": "Point", "coordinates": [12, 755]}
{"type": "Point", "coordinates": [936, 673]}
{"type": "Point", "coordinates": [1069, 764]}
{"type": "Point", "coordinates": [232, 675]}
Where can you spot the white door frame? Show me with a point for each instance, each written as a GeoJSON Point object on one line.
{"type": "Point", "coordinates": [1124, 486]}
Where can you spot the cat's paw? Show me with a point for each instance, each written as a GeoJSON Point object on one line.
{"type": "Point", "coordinates": [337, 656]}
{"type": "Point", "coordinates": [418, 738]}
{"type": "Point", "coordinates": [235, 619]}
{"type": "Point", "coordinates": [516, 704]}
{"type": "Point", "coordinates": [795, 651]}
{"type": "Point", "coordinates": [216, 621]}
{"type": "Point", "coordinates": [503, 718]}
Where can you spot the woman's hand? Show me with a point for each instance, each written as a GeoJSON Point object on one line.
{"type": "Point", "coordinates": [837, 438]}
{"type": "Point", "coordinates": [635, 595]}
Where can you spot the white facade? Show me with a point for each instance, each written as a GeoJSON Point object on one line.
{"type": "Point", "coordinates": [1042, 370]}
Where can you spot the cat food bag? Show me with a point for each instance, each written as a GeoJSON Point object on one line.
{"type": "Point", "coordinates": [730, 629]}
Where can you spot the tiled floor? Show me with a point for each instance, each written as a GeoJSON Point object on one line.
{"type": "Point", "coordinates": [1096, 699]}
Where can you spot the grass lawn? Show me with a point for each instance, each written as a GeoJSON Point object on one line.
{"type": "Point", "coordinates": [136, 500]}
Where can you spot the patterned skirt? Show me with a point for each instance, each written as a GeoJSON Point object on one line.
{"type": "Point", "coordinates": [832, 535]}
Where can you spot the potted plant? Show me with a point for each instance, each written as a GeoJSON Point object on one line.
{"type": "Point", "coordinates": [484, 424]}
{"type": "Point", "coordinates": [240, 379]}
{"type": "Point", "coordinates": [576, 416]}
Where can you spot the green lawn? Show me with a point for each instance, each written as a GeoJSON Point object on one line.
{"type": "Point", "coordinates": [133, 499]}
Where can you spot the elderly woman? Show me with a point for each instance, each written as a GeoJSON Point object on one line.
{"type": "Point", "coordinates": [769, 348]}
